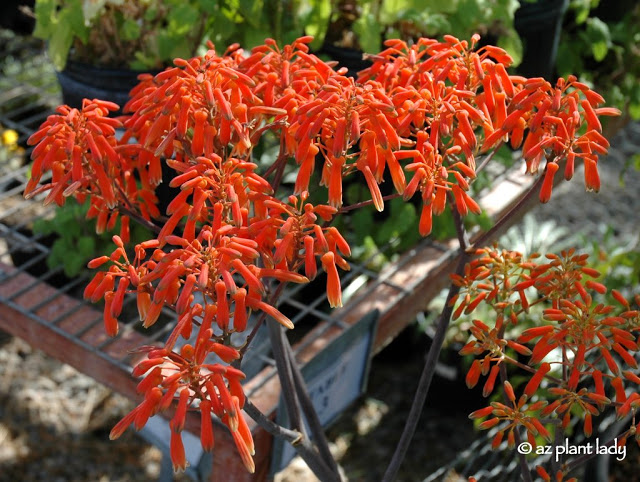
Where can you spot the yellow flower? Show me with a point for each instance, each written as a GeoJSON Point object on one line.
{"type": "Point", "coordinates": [10, 138]}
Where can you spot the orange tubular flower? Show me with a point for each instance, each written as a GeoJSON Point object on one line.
{"type": "Point", "coordinates": [334, 292]}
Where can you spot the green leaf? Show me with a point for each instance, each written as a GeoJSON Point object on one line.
{"type": "Point", "coordinates": [222, 28]}
{"type": "Point", "coordinates": [513, 45]}
{"type": "Point", "coordinates": [182, 20]}
{"type": "Point", "coordinates": [86, 247]}
{"type": "Point", "coordinates": [130, 30]}
{"type": "Point", "coordinates": [369, 33]}
{"type": "Point", "coordinates": [59, 45]}
{"type": "Point", "coordinates": [44, 11]}
{"type": "Point", "coordinates": [599, 36]}
{"type": "Point", "coordinates": [440, 6]}
{"type": "Point", "coordinates": [251, 11]}
{"type": "Point", "coordinates": [73, 17]}
{"type": "Point", "coordinates": [315, 21]}
{"type": "Point", "coordinates": [599, 50]}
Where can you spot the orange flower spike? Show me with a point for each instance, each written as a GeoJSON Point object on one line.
{"type": "Point", "coordinates": [306, 169]}
{"type": "Point", "coordinates": [508, 390]}
{"type": "Point", "coordinates": [105, 285]}
{"type": "Point", "coordinates": [250, 278]}
{"type": "Point", "coordinates": [148, 407]}
{"type": "Point", "coordinates": [152, 313]}
{"type": "Point", "coordinates": [542, 431]}
{"type": "Point", "coordinates": [625, 355]}
{"type": "Point", "coordinates": [226, 353]}
{"type": "Point", "coordinates": [531, 333]}
{"type": "Point", "coordinates": [376, 195]}
{"type": "Point", "coordinates": [426, 220]}
{"type": "Point", "coordinates": [145, 365]}
{"type": "Point", "coordinates": [534, 382]}
{"type": "Point", "coordinates": [617, 384]}
{"type": "Point", "coordinates": [110, 321]}
{"type": "Point", "coordinates": [123, 424]}
{"type": "Point", "coordinates": [335, 182]}
{"type": "Point", "coordinates": [481, 413]}
{"type": "Point", "coordinates": [590, 116]}
{"type": "Point", "coordinates": [239, 310]}
{"type": "Point", "coordinates": [440, 201]}
{"type": "Point", "coordinates": [397, 174]}
{"type": "Point", "coordinates": [206, 426]}
{"type": "Point", "coordinates": [624, 409]}
{"type": "Point", "coordinates": [611, 363]}
{"type": "Point", "coordinates": [461, 206]}
{"type": "Point", "coordinates": [186, 297]}
{"type": "Point", "coordinates": [310, 266]}
{"type": "Point", "coordinates": [620, 298]}
{"type": "Point", "coordinates": [222, 314]}
{"type": "Point", "coordinates": [487, 424]}
{"type": "Point", "coordinates": [227, 403]}
{"type": "Point", "coordinates": [339, 144]}
{"type": "Point", "coordinates": [473, 206]}
{"type": "Point", "coordinates": [491, 380]}
{"type": "Point", "coordinates": [341, 243]}
{"type": "Point", "coordinates": [334, 291]}
{"type": "Point", "coordinates": [597, 378]}
{"type": "Point", "coordinates": [271, 311]}
{"type": "Point", "coordinates": [631, 377]}
{"type": "Point", "coordinates": [177, 422]}
{"type": "Point", "coordinates": [243, 427]}
{"type": "Point", "coordinates": [236, 391]}
{"type": "Point", "coordinates": [245, 453]}
{"type": "Point", "coordinates": [177, 453]}
{"type": "Point", "coordinates": [153, 379]}
{"type": "Point", "coordinates": [547, 184]}
{"type": "Point", "coordinates": [118, 299]}
{"type": "Point", "coordinates": [216, 404]}
{"type": "Point", "coordinates": [497, 440]}
{"type": "Point", "coordinates": [593, 285]}
{"type": "Point", "coordinates": [197, 143]}
{"type": "Point", "coordinates": [543, 473]}
{"type": "Point", "coordinates": [173, 221]}
{"type": "Point", "coordinates": [473, 375]}
{"type": "Point", "coordinates": [591, 176]}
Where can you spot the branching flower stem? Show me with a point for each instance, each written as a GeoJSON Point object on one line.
{"type": "Point", "coordinates": [296, 397]}
{"type": "Point", "coordinates": [317, 431]}
{"type": "Point", "coordinates": [302, 444]}
{"type": "Point", "coordinates": [430, 363]}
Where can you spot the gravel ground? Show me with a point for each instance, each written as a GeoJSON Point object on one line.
{"type": "Point", "coordinates": [54, 421]}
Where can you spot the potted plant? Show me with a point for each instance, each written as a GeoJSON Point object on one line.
{"type": "Point", "coordinates": [235, 233]}
{"type": "Point", "coordinates": [354, 27]}
{"type": "Point", "coordinates": [601, 42]}
{"type": "Point", "coordinates": [99, 48]}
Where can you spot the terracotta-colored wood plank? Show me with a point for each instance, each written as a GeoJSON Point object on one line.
{"type": "Point", "coordinates": [57, 340]}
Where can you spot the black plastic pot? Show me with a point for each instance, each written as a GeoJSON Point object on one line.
{"type": "Point", "coordinates": [539, 25]}
{"type": "Point", "coordinates": [349, 58]}
{"type": "Point", "coordinates": [79, 81]}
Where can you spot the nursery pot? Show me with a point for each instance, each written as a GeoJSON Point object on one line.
{"type": "Point", "coordinates": [346, 57]}
{"type": "Point", "coordinates": [79, 81]}
{"type": "Point", "coordinates": [539, 25]}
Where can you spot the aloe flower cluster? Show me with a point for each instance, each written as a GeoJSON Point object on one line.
{"type": "Point", "coordinates": [421, 113]}
{"type": "Point", "coordinates": [596, 344]}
